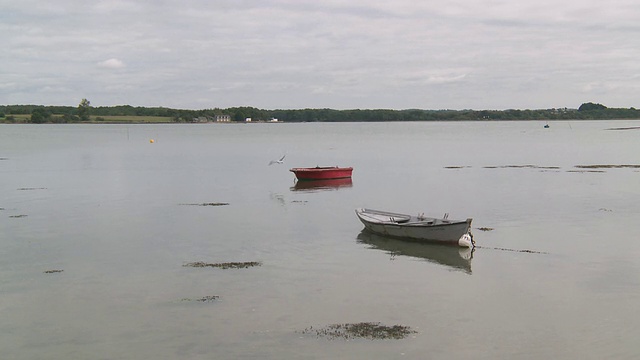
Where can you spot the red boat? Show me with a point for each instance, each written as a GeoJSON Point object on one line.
{"type": "Point", "coordinates": [322, 173]}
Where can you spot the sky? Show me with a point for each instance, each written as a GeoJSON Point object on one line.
{"type": "Point", "coordinates": [297, 54]}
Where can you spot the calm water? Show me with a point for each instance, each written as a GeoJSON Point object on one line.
{"type": "Point", "coordinates": [108, 207]}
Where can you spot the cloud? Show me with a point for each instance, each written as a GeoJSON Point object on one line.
{"type": "Point", "coordinates": [458, 54]}
{"type": "Point", "coordinates": [112, 64]}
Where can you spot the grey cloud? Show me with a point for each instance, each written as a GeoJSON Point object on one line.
{"type": "Point", "coordinates": [296, 54]}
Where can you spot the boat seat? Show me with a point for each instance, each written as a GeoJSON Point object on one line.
{"type": "Point", "coordinates": [399, 221]}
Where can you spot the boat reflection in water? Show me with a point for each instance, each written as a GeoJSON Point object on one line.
{"type": "Point", "coordinates": [458, 258]}
{"type": "Point", "coordinates": [319, 185]}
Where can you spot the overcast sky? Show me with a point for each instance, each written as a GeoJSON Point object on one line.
{"type": "Point", "coordinates": [294, 54]}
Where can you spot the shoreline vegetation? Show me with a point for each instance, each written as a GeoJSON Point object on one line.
{"type": "Point", "coordinates": [125, 114]}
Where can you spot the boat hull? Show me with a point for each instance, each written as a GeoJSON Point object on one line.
{"type": "Point", "coordinates": [454, 232]}
{"type": "Point", "coordinates": [322, 173]}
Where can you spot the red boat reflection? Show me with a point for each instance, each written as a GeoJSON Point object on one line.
{"type": "Point", "coordinates": [315, 185]}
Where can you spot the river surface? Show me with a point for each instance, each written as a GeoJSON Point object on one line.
{"type": "Point", "coordinates": [97, 223]}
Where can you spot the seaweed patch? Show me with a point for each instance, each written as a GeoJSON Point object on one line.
{"type": "Point", "coordinates": [607, 166]}
{"type": "Point", "coordinates": [208, 298]}
{"type": "Point", "coordinates": [523, 167]}
{"type": "Point", "coordinates": [625, 128]}
{"type": "Point", "coordinates": [208, 204]}
{"type": "Point", "coordinates": [226, 265]}
{"type": "Point", "coordinates": [363, 330]}
{"type": "Point", "coordinates": [53, 271]}
{"type": "Point", "coordinates": [586, 171]}
{"type": "Point", "coordinates": [485, 229]}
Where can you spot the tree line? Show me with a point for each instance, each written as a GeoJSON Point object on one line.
{"type": "Point", "coordinates": [82, 112]}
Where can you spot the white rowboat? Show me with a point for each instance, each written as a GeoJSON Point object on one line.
{"type": "Point", "coordinates": [417, 228]}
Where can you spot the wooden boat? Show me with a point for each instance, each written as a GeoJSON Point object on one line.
{"type": "Point", "coordinates": [453, 258]}
{"type": "Point", "coordinates": [322, 173]}
{"type": "Point", "coordinates": [417, 228]}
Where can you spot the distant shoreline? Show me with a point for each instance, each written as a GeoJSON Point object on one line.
{"type": "Point", "coordinates": [147, 122]}
{"type": "Point", "coordinates": [156, 115]}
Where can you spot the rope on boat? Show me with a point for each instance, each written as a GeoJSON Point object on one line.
{"type": "Point", "coordinates": [514, 250]}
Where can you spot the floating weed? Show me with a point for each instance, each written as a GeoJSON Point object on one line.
{"type": "Point", "coordinates": [53, 271]}
{"type": "Point", "coordinates": [584, 168]}
{"type": "Point", "coordinates": [31, 188]}
{"type": "Point", "coordinates": [608, 166]}
{"type": "Point", "coordinates": [363, 330]}
{"type": "Point", "coordinates": [522, 167]}
{"type": "Point", "coordinates": [208, 204]}
{"type": "Point", "coordinates": [208, 298]}
{"type": "Point", "coordinates": [485, 229]}
{"type": "Point", "coordinates": [586, 171]}
{"type": "Point", "coordinates": [625, 128]}
{"type": "Point", "coordinates": [18, 216]}
{"type": "Point", "coordinates": [226, 265]}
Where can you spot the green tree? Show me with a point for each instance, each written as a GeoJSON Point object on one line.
{"type": "Point", "coordinates": [84, 108]}
{"type": "Point", "coordinates": [40, 115]}
{"type": "Point", "coordinates": [591, 106]}
{"type": "Point", "coordinates": [239, 116]}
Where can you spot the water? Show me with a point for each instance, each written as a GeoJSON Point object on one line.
{"type": "Point", "coordinates": [557, 277]}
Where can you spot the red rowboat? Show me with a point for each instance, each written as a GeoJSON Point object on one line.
{"type": "Point", "coordinates": [322, 173]}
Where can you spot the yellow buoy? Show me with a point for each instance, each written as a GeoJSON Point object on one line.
{"type": "Point", "coordinates": [151, 141]}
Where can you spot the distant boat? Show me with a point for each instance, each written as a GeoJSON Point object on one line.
{"type": "Point", "coordinates": [457, 258]}
{"type": "Point", "coordinates": [322, 173]}
{"type": "Point", "coordinates": [546, 126]}
{"type": "Point", "coordinates": [417, 228]}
